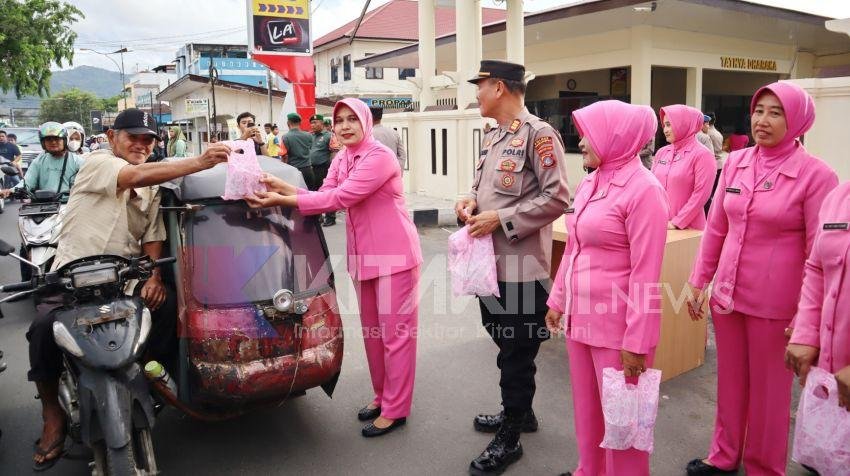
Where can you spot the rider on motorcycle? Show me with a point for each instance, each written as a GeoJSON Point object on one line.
{"type": "Point", "coordinates": [54, 169]}
{"type": "Point", "coordinates": [76, 136]}
{"type": "Point", "coordinates": [114, 211]}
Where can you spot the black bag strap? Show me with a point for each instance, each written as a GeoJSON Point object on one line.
{"type": "Point", "coordinates": [62, 174]}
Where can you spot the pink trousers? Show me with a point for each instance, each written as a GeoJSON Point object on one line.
{"type": "Point", "coordinates": [753, 394]}
{"type": "Point", "coordinates": [586, 364]}
{"type": "Point", "coordinates": [389, 310]}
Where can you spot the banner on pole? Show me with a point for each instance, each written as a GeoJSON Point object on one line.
{"type": "Point", "coordinates": [279, 27]}
{"type": "Point", "coordinates": [96, 121]}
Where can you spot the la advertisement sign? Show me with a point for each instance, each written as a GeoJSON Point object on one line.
{"type": "Point", "coordinates": [279, 27]}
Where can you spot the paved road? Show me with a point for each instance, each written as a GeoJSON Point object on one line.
{"type": "Point", "coordinates": [456, 378]}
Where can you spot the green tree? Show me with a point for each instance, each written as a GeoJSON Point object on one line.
{"type": "Point", "coordinates": [111, 104]}
{"type": "Point", "coordinates": [71, 105]}
{"type": "Point", "coordinates": [34, 34]}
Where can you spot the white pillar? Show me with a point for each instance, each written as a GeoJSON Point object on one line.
{"type": "Point", "coordinates": [468, 22]}
{"type": "Point", "coordinates": [641, 77]}
{"type": "Point", "coordinates": [515, 33]}
{"type": "Point", "coordinates": [693, 90]}
{"type": "Point", "coordinates": [427, 52]}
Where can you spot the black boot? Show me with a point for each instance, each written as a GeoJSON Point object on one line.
{"type": "Point", "coordinates": [698, 467]}
{"type": "Point", "coordinates": [491, 423]}
{"type": "Point", "coordinates": [502, 451]}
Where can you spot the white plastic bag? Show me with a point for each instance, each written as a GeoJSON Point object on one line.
{"type": "Point", "coordinates": [822, 432]}
{"type": "Point", "coordinates": [243, 171]}
{"type": "Point", "coordinates": [629, 409]}
{"type": "Point", "coordinates": [472, 264]}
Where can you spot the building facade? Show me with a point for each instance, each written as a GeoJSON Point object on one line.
{"type": "Point", "coordinates": [709, 54]}
{"type": "Point", "coordinates": [386, 28]}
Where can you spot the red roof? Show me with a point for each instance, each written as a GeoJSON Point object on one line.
{"type": "Point", "coordinates": [399, 20]}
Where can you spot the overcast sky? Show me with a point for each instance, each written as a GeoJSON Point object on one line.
{"type": "Point", "coordinates": [155, 31]}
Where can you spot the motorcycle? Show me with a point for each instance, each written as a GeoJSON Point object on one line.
{"type": "Point", "coordinates": [255, 327]}
{"type": "Point", "coordinates": [37, 221]}
{"type": "Point", "coordinates": [102, 333]}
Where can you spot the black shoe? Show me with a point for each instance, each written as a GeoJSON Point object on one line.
{"type": "Point", "coordinates": [329, 223]}
{"type": "Point", "coordinates": [371, 430]}
{"type": "Point", "coordinates": [366, 413]}
{"type": "Point", "coordinates": [698, 467]}
{"type": "Point", "coordinates": [491, 423]}
{"type": "Point", "coordinates": [811, 470]}
{"type": "Point", "coordinates": [566, 474]}
{"type": "Point", "coordinates": [503, 451]}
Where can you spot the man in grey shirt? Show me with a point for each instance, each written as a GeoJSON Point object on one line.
{"type": "Point", "coordinates": [388, 136]}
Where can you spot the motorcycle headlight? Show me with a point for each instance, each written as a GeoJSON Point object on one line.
{"type": "Point", "coordinates": [283, 300]}
{"type": "Point", "coordinates": [65, 341]}
{"type": "Point", "coordinates": [94, 277]}
{"type": "Point", "coordinates": [144, 330]}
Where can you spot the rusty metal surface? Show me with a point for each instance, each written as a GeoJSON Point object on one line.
{"type": "Point", "coordinates": [241, 356]}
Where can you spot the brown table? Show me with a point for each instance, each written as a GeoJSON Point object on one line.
{"type": "Point", "coordinates": [682, 344]}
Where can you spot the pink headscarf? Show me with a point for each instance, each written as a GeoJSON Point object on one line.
{"type": "Point", "coordinates": [686, 121]}
{"type": "Point", "coordinates": [361, 110]}
{"type": "Point", "coordinates": [799, 115]}
{"type": "Point", "coordinates": [616, 130]}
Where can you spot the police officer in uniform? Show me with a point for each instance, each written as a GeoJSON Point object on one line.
{"type": "Point", "coordinates": [520, 188]}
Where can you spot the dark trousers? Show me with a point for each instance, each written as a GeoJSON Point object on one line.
{"type": "Point", "coordinates": [46, 357]}
{"type": "Point", "coordinates": [320, 172]}
{"type": "Point", "coordinates": [516, 323]}
{"type": "Point", "coordinates": [713, 189]}
{"type": "Point", "coordinates": [309, 177]}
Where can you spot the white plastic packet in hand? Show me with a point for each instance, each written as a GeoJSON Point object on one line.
{"type": "Point", "coordinates": [629, 410]}
{"type": "Point", "coordinates": [243, 171]}
{"type": "Point", "coordinates": [472, 264]}
{"type": "Point", "coordinates": [822, 430]}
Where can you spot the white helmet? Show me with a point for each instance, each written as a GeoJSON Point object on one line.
{"type": "Point", "coordinates": [72, 127]}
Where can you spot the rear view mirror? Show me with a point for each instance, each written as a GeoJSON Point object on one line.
{"type": "Point", "coordinates": [6, 248]}
{"type": "Point", "coordinates": [9, 170]}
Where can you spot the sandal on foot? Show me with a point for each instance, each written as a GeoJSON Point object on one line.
{"type": "Point", "coordinates": [48, 463]}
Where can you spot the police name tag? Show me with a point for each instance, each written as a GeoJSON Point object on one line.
{"type": "Point", "coordinates": [733, 190]}
{"type": "Point", "coordinates": [570, 210]}
{"type": "Point", "coordinates": [836, 226]}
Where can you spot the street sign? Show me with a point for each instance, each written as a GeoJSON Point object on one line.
{"type": "Point", "coordinates": [198, 107]}
{"type": "Point", "coordinates": [96, 121]}
{"type": "Point", "coordinates": [280, 27]}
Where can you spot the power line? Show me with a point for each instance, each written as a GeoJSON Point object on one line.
{"type": "Point", "coordinates": [150, 40]}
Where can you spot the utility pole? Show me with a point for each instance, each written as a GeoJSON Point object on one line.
{"type": "Point", "coordinates": [269, 81]}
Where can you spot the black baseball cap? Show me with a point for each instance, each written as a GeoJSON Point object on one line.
{"type": "Point", "coordinates": [499, 70]}
{"type": "Point", "coordinates": [136, 121]}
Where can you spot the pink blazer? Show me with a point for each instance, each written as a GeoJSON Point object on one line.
{"type": "Point", "coordinates": [614, 251]}
{"type": "Point", "coordinates": [823, 316]}
{"type": "Point", "coordinates": [759, 234]}
{"type": "Point", "coordinates": [381, 237]}
{"type": "Point", "coordinates": [687, 177]}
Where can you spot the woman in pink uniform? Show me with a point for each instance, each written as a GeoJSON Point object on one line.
{"type": "Point", "coordinates": [617, 230]}
{"type": "Point", "coordinates": [759, 233]}
{"type": "Point", "coordinates": [822, 326]}
{"type": "Point", "coordinates": [383, 256]}
{"type": "Point", "coordinates": [685, 168]}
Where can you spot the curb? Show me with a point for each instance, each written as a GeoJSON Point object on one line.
{"type": "Point", "coordinates": [433, 217]}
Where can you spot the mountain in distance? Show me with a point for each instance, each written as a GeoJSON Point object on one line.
{"type": "Point", "coordinates": [103, 83]}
